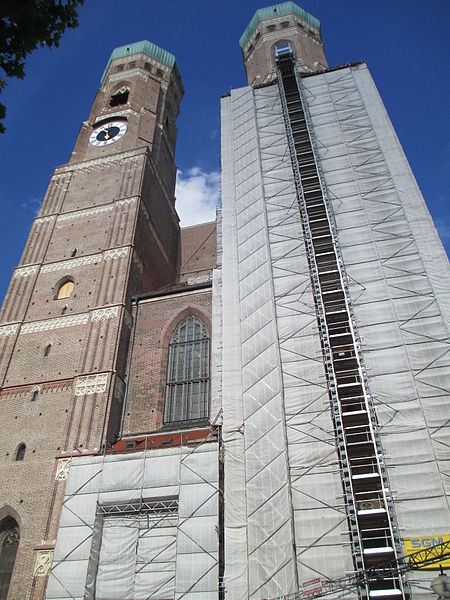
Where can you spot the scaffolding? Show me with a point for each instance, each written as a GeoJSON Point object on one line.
{"type": "Point", "coordinates": [370, 514]}
{"type": "Point", "coordinates": [140, 525]}
{"type": "Point", "coordinates": [397, 274]}
{"type": "Point", "coordinates": [285, 280]}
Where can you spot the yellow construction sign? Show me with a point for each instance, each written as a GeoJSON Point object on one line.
{"type": "Point", "coordinates": [428, 551]}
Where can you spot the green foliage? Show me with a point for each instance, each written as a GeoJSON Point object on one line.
{"type": "Point", "coordinates": [27, 24]}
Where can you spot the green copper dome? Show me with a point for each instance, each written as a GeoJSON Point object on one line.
{"type": "Point", "coordinates": [152, 50]}
{"type": "Point", "coordinates": [276, 10]}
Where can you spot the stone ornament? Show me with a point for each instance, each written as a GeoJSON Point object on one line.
{"type": "Point", "coordinates": [91, 384]}
{"type": "Point", "coordinates": [25, 271]}
{"type": "Point", "coordinates": [103, 314]}
{"type": "Point", "coordinates": [126, 202]}
{"type": "Point", "coordinates": [62, 469]}
{"type": "Point", "coordinates": [41, 220]}
{"type": "Point", "coordinates": [71, 264]}
{"type": "Point", "coordinates": [98, 210]}
{"type": "Point", "coordinates": [8, 330]}
{"type": "Point", "coordinates": [115, 253]}
{"type": "Point", "coordinates": [57, 323]}
{"type": "Point", "coordinates": [43, 563]}
{"type": "Point", "coordinates": [85, 213]}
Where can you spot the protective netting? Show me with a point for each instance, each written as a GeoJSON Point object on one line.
{"type": "Point", "coordinates": [400, 287]}
{"type": "Point", "coordinates": [285, 520]}
{"type": "Point", "coordinates": [281, 445]}
{"type": "Point", "coordinates": [139, 526]}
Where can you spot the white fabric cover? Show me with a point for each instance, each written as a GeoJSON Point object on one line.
{"type": "Point", "coordinates": [137, 556]}
{"type": "Point", "coordinates": [281, 470]}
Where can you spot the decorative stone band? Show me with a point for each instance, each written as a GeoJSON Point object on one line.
{"type": "Point", "coordinates": [57, 323]}
{"type": "Point", "coordinates": [85, 213]}
{"type": "Point", "coordinates": [98, 210]}
{"type": "Point", "coordinates": [8, 330]}
{"type": "Point", "coordinates": [67, 265]}
{"type": "Point", "coordinates": [91, 384]}
{"type": "Point", "coordinates": [72, 264]}
{"type": "Point", "coordinates": [62, 469]}
{"type": "Point", "coordinates": [103, 314]}
{"type": "Point", "coordinates": [43, 563]}
{"type": "Point", "coordinates": [125, 202]}
{"type": "Point", "coordinates": [115, 253]}
{"type": "Point", "coordinates": [26, 271]}
{"type": "Point", "coordinates": [42, 220]}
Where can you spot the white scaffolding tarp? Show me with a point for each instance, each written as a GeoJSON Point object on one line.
{"type": "Point", "coordinates": [140, 549]}
{"type": "Point", "coordinates": [400, 289]}
{"type": "Point", "coordinates": [282, 520]}
{"type": "Point", "coordinates": [282, 473]}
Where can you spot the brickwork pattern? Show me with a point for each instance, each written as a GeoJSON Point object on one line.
{"type": "Point", "coordinates": [114, 205]}
{"type": "Point", "coordinates": [154, 325]}
{"type": "Point", "coordinates": [198, 251]}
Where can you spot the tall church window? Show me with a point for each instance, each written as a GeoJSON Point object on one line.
{"type": "Point", "coordinates": [65, 289]}
{"type": "Point", "coordinates": [187, 389]}
{"type": "Point", "coordinates": [9, 542]}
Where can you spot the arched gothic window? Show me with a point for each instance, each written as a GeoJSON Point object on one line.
{"type": "Point", "coordinates": [65, 289]}
{"type": "Point", "coordinates": [9, 542]}
{"type": "Point", "coordinates": [187, 389]}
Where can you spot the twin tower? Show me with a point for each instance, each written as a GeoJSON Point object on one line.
{"type": "Point", "coordinates": [253, 408]}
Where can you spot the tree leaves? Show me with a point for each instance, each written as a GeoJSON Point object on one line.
{"type": "Point", "coordinates": [27, 24]}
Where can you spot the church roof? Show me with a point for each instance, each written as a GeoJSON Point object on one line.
{"type": "Point", "coordinates": [149, 48]}
{"type": "Point", "coordinates": [276, 10]}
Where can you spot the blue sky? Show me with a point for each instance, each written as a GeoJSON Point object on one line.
{"type": "Point", "coordinates": [404, 42]}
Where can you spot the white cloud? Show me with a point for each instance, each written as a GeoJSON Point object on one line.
{"type": "Point", "coordinates": [32, 205]}
{"type": "Point", "coordinates": [197, 193]}
{"type": "Point", "coordinates": [443, 229]}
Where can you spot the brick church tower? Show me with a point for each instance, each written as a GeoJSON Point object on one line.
{"type": "Point", "coordinates": [107, 232]}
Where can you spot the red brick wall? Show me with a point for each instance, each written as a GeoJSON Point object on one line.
{"type": "Point", "coordinates": [154, 325]}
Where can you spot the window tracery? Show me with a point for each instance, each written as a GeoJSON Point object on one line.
{"type": "Point", "coordinates": [187, 385]}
